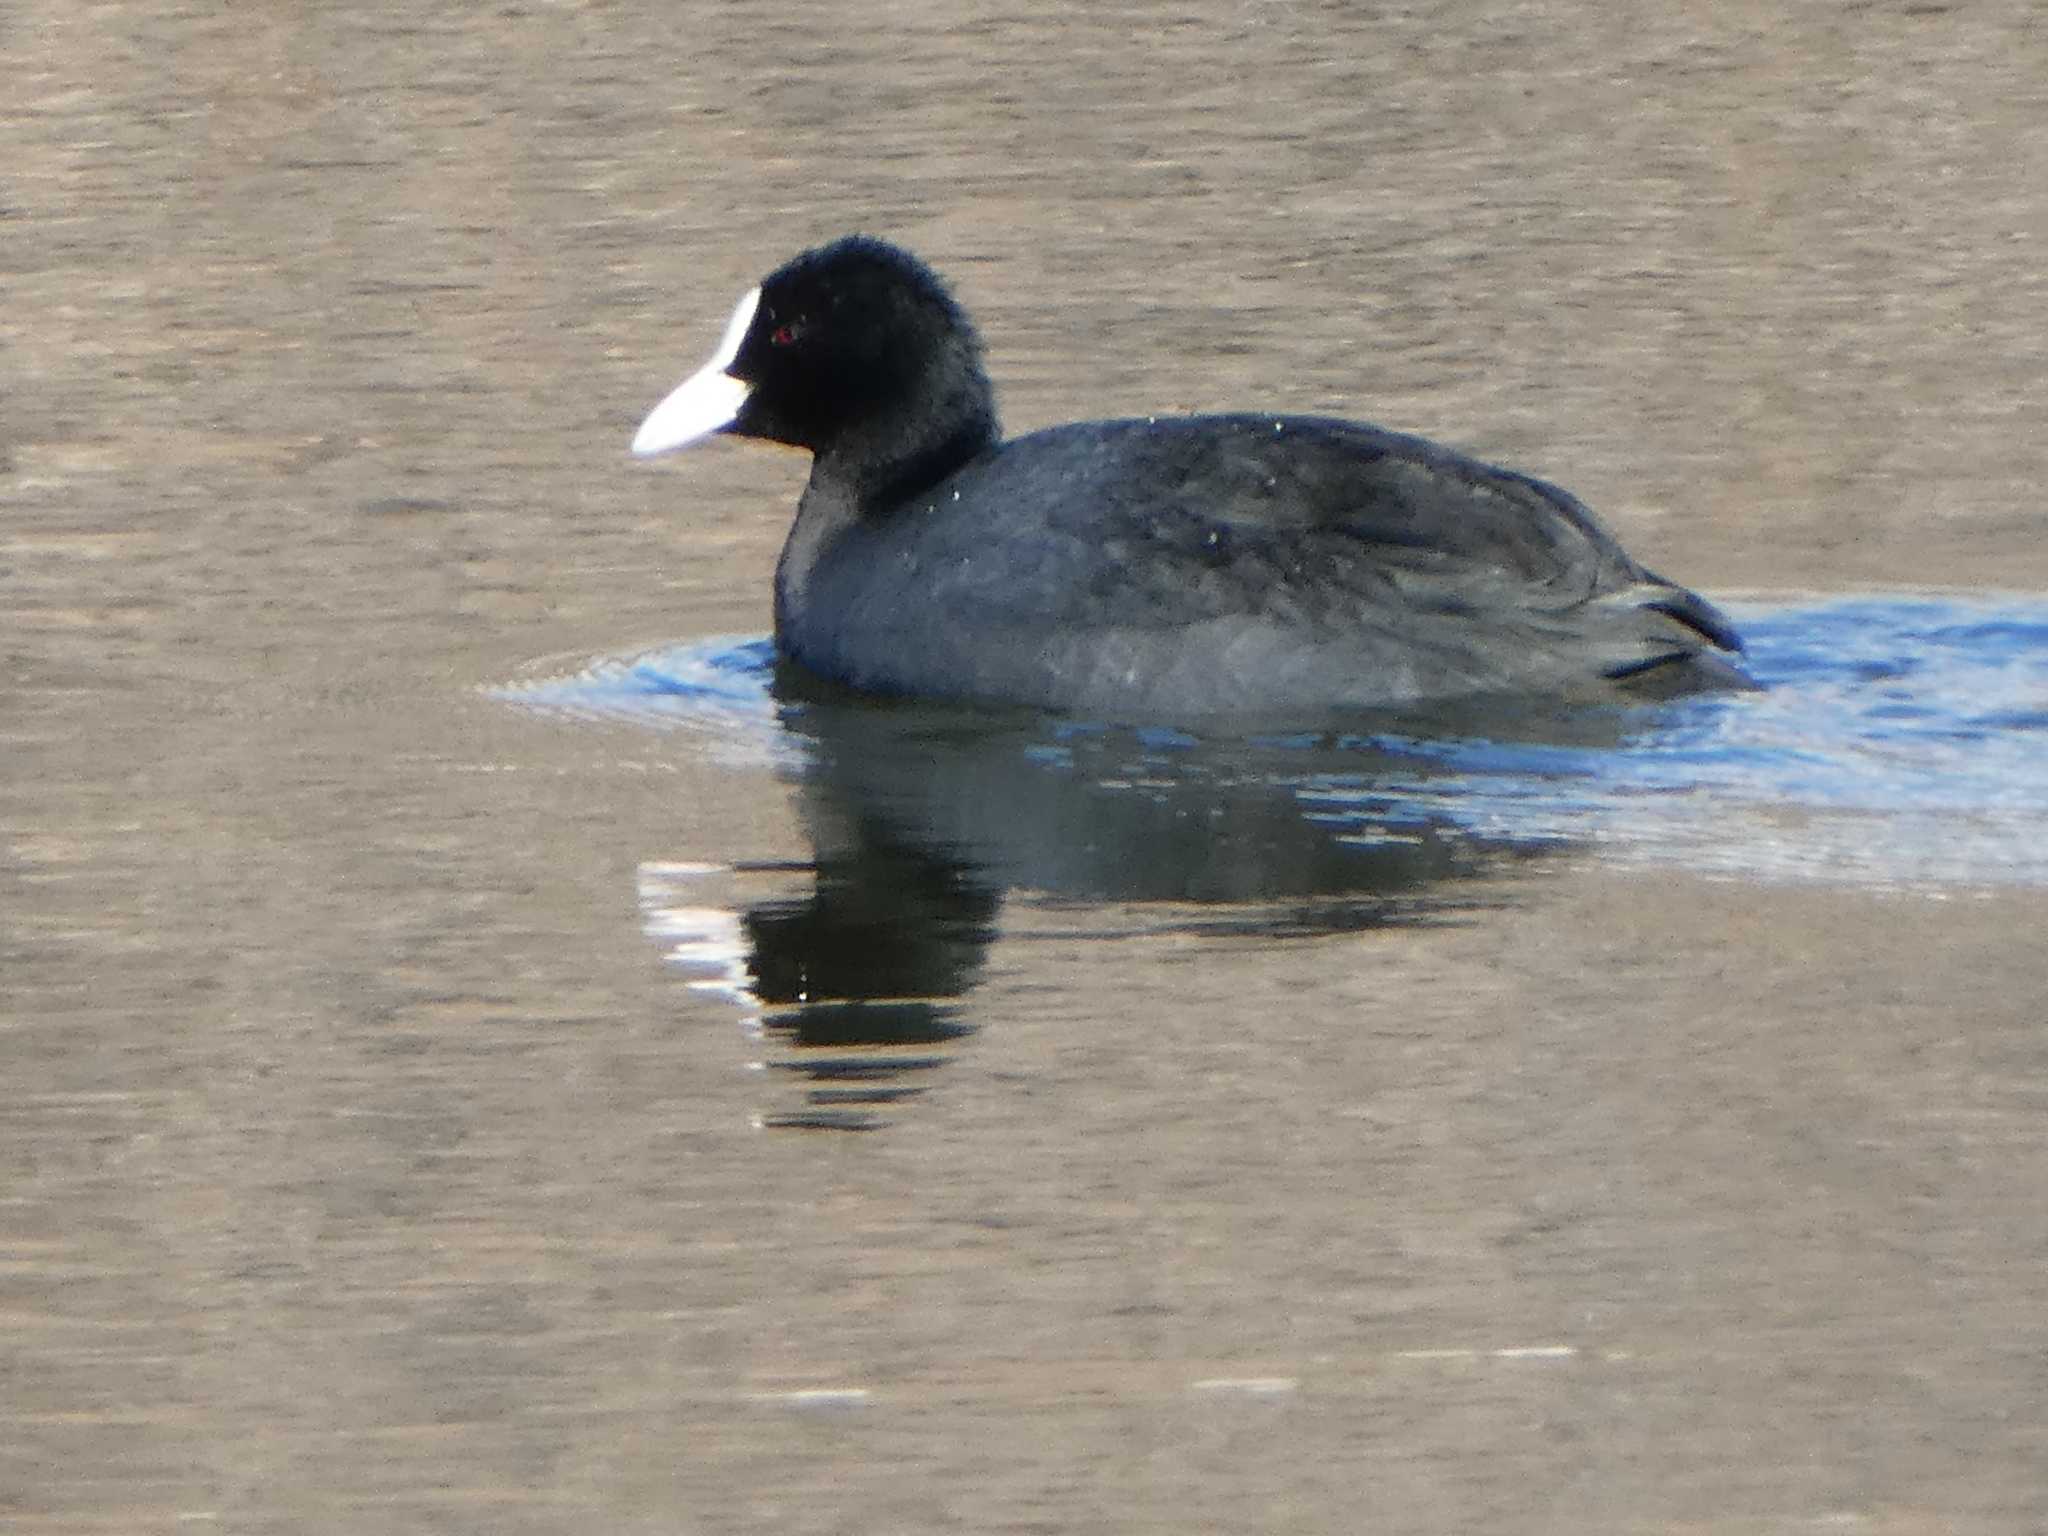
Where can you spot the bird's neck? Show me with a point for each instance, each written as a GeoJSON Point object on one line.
{"type": "Point", "coordinates": [884, 461]}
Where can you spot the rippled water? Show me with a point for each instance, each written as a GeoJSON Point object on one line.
{"type": "Point", "coordinates": [1900, 740]}
{"type": "Point", "coordinates": [1385, 1133]}
{"type": "Point", "coordinates": [1897, 743]}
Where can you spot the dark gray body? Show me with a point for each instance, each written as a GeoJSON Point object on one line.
{"type": "Point", "coordinates": [1252, 566]}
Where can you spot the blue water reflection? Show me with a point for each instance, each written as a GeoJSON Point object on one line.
{"type": "Point", "coordinates": [1899, 742]}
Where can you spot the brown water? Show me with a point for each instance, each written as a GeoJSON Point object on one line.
{"type": "Point", "coordinates": [367, 1169]}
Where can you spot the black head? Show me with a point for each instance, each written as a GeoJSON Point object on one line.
{"type": "Point", "coordinates": [853, 350]}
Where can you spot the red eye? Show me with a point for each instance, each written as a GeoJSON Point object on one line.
{"type": "Point", "coordinates": [785, 335]}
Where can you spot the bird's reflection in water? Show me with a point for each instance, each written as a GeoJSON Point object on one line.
{"type": "Point", "coordinates": [858, 977]}
{"type": "Point", "coordinates": [849, 969]}
{"type": "Point", "coordinates": [922, 821]}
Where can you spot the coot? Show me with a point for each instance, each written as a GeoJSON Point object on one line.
{"type": "Point", "coordinates": [1164, 569]}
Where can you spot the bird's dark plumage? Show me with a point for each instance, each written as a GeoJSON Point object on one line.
{"type": "Point", "coordinates": [1170, 569]}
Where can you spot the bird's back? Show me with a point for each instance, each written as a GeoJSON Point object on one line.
{"type": "Point", "coordinates": [1235, 564]}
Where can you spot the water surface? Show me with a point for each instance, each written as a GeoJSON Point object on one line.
{"type": "Point", "coordinates": [1897, 742]}
{"type": "Point", "coordinates": [1417, 1132]}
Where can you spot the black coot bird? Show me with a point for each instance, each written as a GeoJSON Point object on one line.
{"type": "Point", "coordinates": [1157, 570]}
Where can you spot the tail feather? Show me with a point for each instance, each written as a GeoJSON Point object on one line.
{"type": "Point", "coordinates": [1697, 615]}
